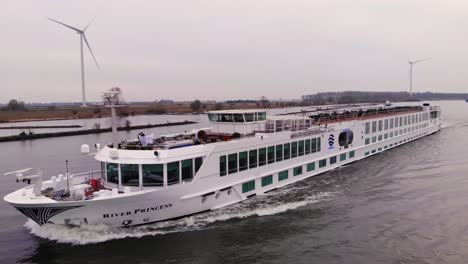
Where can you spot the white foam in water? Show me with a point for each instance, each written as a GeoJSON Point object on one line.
{"type": "Point", "coordinates": [89, 234]}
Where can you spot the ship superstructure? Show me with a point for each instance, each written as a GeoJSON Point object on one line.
{"type": "Point", "coordinates": [244, 153]}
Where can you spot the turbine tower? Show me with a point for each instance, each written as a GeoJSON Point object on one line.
{"type": "Point", "coordinates": [82, 38]}
{"type": "Point", "coordinates": [411, 73]}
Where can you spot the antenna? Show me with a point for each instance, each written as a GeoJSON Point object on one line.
{"type": "Point", "coordinates": [82, 38]}
{"type": "Point", "coordinates": [411, 72]}
{"type": "Point", "coordinates": [113, 99]}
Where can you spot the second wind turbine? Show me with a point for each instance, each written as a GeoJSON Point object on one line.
{"type": "Point", "coordinates": [82, 38]}
{"type": "Point", "coordinates": [411, 73]}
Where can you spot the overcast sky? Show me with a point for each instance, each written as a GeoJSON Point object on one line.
{"type": "Point", "coordinates": [233, 49]}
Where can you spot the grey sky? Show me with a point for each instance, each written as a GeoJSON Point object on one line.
{"type": "Point", "coordinates": [231, 49]}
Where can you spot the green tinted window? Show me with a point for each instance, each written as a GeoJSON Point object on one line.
{"type": "Point", "coordinates": [279, 152]}
{"type": "Point", "coordinates": [333, 160]}
{"type": "Point", "coordinates": [248, 186]}
{"type": "Point", "coordinates": [322, 163]}
{"type": "Point", "coordinates": [301, 147]}
{"type": "Point", "coordinates": [173, 172]}
{"type": "Point", "coordinates": [307, 146]}
{"type": "Point", "coordinates": [342, 156]}
{"type": "Point", "coordinates": [232, 163]}
{"type": "Point", "coordinates": [287, 151]}
{"type": "Point", "coordinates": [297, 171]}
{"type": "Point", "coordinates": [187, 169]}
{"type": "Point", "coordinates": [153, 174]}
{"type": "Point", "coordinates": [242, 160]}
{"type": "Point", "coordinates": [253, 158]}
{"type": "Point", "coordinates": [261, 156]}
{"type": "Point", "coordinates": [113, 173]}
{"type": "Point", "coordinates": [267, 180]}
{"type": "Point", "coordinates": [293, 149]}
{"type": "Point", "coordinates": [351, 154]}
{"type": "Point", "coordinates": [130, 174]}
{"type": "Point", "coordinates": [283, 175]}
{"type": "Point", "coordinates": [311, 166]}
{"type": "Point", "coordinates": [271, 154]}
{"type": "Point", "coordinates": [314, 145]}
{"type": "Point", "coordinates": [222, 166]}
{"type": "Point", "coordinates": [198, 163]}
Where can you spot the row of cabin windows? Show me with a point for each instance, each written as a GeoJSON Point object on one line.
{"type": "Point", "coordinates": [152, 174]}
{"type": "Point", "coordinates": [385, 124]}
{"type": "Point", "coordinates": [367, 153]}
{"type": "Point", "coordinates": [236, 162]}
{"type": "Point", "coordinates": [393, 133]}
{"type": "Point", "coordinates": [284, 175]}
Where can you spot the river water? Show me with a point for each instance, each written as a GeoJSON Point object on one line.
{"type": "Point", "coordinates": [405, 205]}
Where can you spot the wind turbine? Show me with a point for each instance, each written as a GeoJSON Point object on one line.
{"type": "Point", "coordinates": [411, 73]}
{"type": "Point", "coordinates": [82, 38]}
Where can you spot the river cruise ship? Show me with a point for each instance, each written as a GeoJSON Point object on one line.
{"type": "Point", "coordinates": [244, 153]}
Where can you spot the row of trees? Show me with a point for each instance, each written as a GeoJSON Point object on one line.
{"type": "Point", "coordinates": [14, 105]}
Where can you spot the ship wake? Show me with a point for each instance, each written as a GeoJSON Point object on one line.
{"type": "Point", "coordinates": [263, 205]}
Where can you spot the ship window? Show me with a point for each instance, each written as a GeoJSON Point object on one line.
{"type": "Point", "coordinates": [271, 154]}
{"type": "Point", "coordinates": [130, 174]}
{"type": "Point", "coordinates": [351, 154]}
{"type": "Point", "coordinates": [385, 135]}
{"type": "Point", "coordinates": [153, 174]}
{"type": "Point", "coordinates": [391, 134]}
{"type": "Point", "coordinates": [380, 137]}
{"type": "Point", "coordinates": [345, 138]}
{"type": "Point", "coordinates": [301, 148]}
{"type": "Point", "coordinates": [238, 118]}
{"type": "Point", "coordinates": [225, 118]}
{"type": "Point", "coordinates": [261, 157]}
{"type": "Point", "coordinates": [314, 145]}
{"type": "Point", "coordinates": [113, 172]}
{"type": "Point", "coordinates": [213, 117]}
{"type": "Point", "coordinates": [267, 180]}
{"type": "Point", "coordinates": [261, 116]}
{"type": "Point", "coordinates": [293, 149]}
{"type": "Point", "coordinates": [198, 163]}
{"type": "Point", "coordinates": [283, 175]}
{"type": "Point", "coordinates": [253, 159]}
{"type": "Point", "coordinates": [248, 186]}
{"type": "Point", "coordinates": [374, 126]}
{"type": "Point", "coordinates": [279, 152]}
{"type": "Point", "coordinates": [222, 165]}
{"type": "Point", "coordinates": [173, 172]}
{"type": "Point", "coordinates": [103, 171]}
{"type": "Point", "coordinates": [187, 169]}
{"type": "Point", "coordinates": [366, 154]}
{"type": "Point", "coordinates": [391, 123]}
{"type": "Point", "coordinates": [386, 124]}
{"type": "Point", "coordinates": [374, 139]}
{"type": "Point", "coordinates": [319, 144]}
{"type": "Point", "coordinates": [297, 171]}
{"type": "Point", "coordinates": [243, 161]}
{"type": "Point", "coordinates": [307, 146]}
{"type": "Point", "coordinates": [287, 151]}
{"type": "Point", "coordinates": [311, 166]}
{"type": "Point", "coordinates": [367, 128]}
{"type": "Point", "coordinates": [249, 117]}
{"type": "Point", "coordinates": [342, 156]}
{"type": "Point", "coordinates": [232, 163]}
{"type": "Point", "coordinates": [333, 160]}
{"type": "Point", "coordinates": [380, 125]}
{"type": "Point", "coordinates": [367, 141]}
{"type": "Point", "coordinates": [322, 163]}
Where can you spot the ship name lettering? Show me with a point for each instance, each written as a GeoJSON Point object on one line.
{"type": "Point", "coordinates": [137, 211]}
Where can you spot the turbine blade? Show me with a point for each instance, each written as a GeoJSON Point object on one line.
{"type": "Point", "coordinates": [422, 60]}
{"type": "Point", "coordinates": [91, 51]}
{"type": "Point", "coordinates": [90, 22]}
{"type": "Point", "coordinates": [63, 24]}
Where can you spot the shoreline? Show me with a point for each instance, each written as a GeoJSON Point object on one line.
{"type": "Point", "coordinates": [87, 131]}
